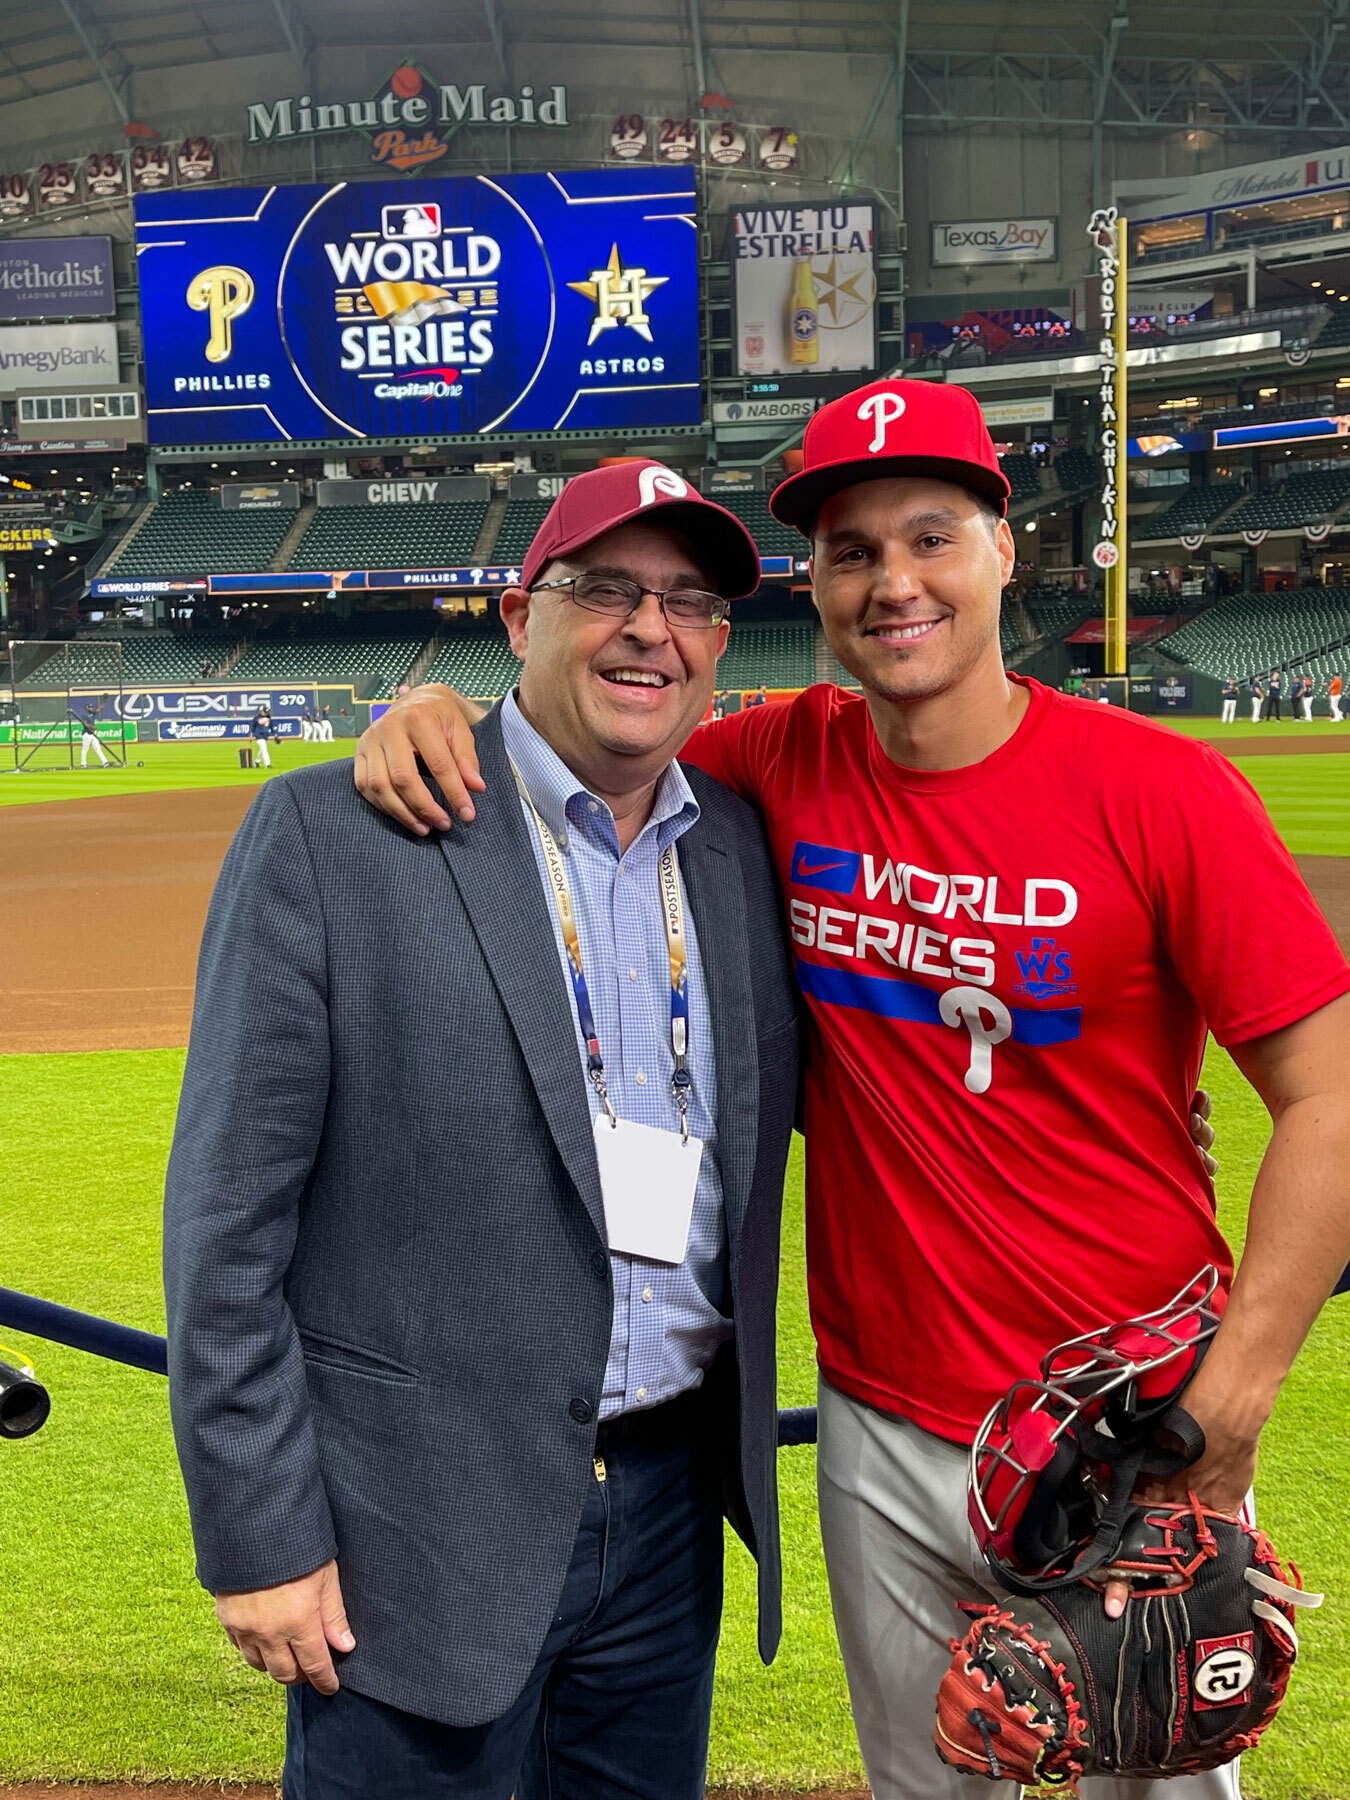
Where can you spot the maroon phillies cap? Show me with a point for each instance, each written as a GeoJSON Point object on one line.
{"type": "Point", "coordinates": [602, 499]}
{"type": "Point", "coordinates": [891, 428]}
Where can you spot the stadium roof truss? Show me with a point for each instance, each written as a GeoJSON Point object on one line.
{"type": "Point", "coordinates": [1026, 65]}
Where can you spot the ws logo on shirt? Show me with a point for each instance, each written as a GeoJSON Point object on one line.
{"type": "Point", "coordinates": [822, 866]}
{"type": "Point", "coordinates": [1045, 970]}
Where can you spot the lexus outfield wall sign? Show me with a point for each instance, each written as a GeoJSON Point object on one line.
{"type": "Point", "coordinates": [962, 243]}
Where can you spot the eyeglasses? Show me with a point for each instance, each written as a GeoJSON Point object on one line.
{"type": "Point", "coordinates": [619, 599]}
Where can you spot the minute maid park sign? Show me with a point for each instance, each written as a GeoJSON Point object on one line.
{"type": "Point", "coordinates": [410, 118]}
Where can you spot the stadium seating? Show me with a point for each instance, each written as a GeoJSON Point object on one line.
{"type": "Point", "coordinates": [1024, 477]}
{"type": "Point", "coordinates": [391, 537]}
{"type": "Point", "coordinates": [520, 521]}
{"type": "Point", "coordinates": [366, 648]}
{"type": "Point", "coordinates": [1191, 511]}
{"type": "Point", "coordinates": [1076, 469]}
{"type": "Point", "coordinates": [773, 539]}
{"type": "Point", "coordinates": [1249, 633]}
{"type": "Point", "coordinates": [1055, 615]}
{"type": "Point", "coordinates": [481, 664]}
{"type": "Point", "coordinates": [177, 658]}
{"type": "Point", "coordinates": [771, 656]}
{"type": "Point", "coordinates": [191, 534]}
{"type": "Point", "coordinates": [1302, 500]}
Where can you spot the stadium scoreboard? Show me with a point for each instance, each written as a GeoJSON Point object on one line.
{"type": "Point", "coordinates": [420, 308]}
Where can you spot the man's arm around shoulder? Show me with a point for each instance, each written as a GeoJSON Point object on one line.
{"type": "Point", "coordinates": [249, 1123]}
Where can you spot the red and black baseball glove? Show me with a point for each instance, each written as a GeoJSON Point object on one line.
{"type": "Point", "coordinates": [1046, 1688]}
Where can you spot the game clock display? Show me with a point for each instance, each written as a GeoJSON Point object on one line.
{"type": "Point", "coordinates": [420, 308]}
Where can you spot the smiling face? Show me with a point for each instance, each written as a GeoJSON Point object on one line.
{"type": "Point", "coordinates": [907, 575]}
{"type": "Point", "coordinates": [615, 697]}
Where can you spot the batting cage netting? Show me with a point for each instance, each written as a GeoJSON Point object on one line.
{"type": "Point", "coordinates": [65, 706]}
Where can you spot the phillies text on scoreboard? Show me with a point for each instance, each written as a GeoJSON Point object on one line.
{"type": "Point", "coordinates": [421, 308]}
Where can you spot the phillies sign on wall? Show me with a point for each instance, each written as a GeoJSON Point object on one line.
{"type": "Point", "coordinates": [411, 117]}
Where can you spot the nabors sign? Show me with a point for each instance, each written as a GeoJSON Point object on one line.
{"type": "Point", "coordinates": [410, 118]}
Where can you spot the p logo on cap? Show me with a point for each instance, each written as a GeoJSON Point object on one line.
{"type": "Point", "coordinates": [654, 480]}
{"type": "Point", "coordinates": [883, 410]}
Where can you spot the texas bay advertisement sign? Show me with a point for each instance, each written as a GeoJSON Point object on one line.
{"type": "Point", "coordinates": [411, 117]}
{"type": "Point", "coordinates": [967, 243]}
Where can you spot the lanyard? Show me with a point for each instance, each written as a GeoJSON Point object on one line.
{"type": "Point", "coordinates": [672, 912]}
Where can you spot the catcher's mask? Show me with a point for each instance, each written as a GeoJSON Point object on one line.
{"type": "Point", "coordinates": [1054, 1463]}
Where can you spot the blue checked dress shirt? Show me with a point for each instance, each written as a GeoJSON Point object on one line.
{"type": "Point", "coordinates": [668, 1321]}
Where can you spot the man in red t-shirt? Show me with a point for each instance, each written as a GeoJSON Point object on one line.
{"type": "Point", "coordinates": [1011, 940]}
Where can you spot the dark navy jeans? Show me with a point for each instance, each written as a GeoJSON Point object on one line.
{"type": "Point", "coordinates": [617, 1706]}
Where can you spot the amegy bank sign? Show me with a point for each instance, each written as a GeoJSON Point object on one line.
{"type": "Point", "coordinates": [48, 356]}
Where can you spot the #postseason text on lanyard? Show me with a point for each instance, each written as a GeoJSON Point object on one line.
{"type": "Point", "coordinates": [672, 912]}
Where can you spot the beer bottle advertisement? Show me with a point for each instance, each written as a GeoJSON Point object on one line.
{"type": "Point", "coordinates": [805, 287]}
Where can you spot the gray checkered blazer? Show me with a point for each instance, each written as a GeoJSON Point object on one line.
{"type": "Point", "coordinates": [384, 1250]}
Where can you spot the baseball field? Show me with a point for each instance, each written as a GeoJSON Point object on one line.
{"type": "Point", "coordinates": [112, 1667]}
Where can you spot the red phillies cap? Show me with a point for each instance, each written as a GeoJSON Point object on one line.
{"type": "Point", "coordinates": [891, 428]}
{"type": "Point", "coordinates": [602, 499]}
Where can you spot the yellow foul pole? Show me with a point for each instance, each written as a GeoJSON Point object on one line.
{"type": "Point", "coordinates": [1117, 639]}
{"type": "Point", "coordinates": [1107, 231]}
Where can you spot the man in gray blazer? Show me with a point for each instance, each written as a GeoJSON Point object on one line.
{"type": "Point", "coordinates": [471, 1235]}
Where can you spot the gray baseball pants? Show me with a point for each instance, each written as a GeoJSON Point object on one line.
{"type": "Point", "coordinates": [901, 1555]}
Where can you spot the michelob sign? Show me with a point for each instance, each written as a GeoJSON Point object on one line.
{"type": "Point", "coordinates": [420, 308]}
{"type": "Point", "coordinates": [806, 290]}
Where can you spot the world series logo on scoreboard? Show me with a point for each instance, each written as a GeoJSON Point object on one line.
{"type": "Point", "coordinates": [421, 308]}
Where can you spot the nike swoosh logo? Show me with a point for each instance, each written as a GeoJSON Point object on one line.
{"type": "Point", "coordinates": [805, 868]}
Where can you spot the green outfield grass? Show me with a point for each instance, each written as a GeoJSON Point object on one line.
{"type": "Point", "coordinates": [1199, 726]}
{"type": "Point", "coordinates": [152, 768]}
{"type": "Point", "coordinates": [111, 1663]}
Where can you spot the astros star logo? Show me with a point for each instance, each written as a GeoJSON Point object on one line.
{"type": "Point", "coordinates": [620, 295]}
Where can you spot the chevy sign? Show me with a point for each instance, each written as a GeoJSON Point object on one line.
{"type": "Point", "coordinates": [56, 278]}
{"type": "Point", "coordinates": [969, 242]}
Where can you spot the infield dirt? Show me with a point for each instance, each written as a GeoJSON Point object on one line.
{"type": "Point", "coordinates": [107, 898]}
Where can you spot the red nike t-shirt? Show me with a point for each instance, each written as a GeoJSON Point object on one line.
{"type": "Point", "coordinates": [1009, 971]}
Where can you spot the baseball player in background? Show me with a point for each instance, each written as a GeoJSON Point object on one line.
{"type": "Point", "coordinates": [1230, 700]}
{"type": "Point", "coordinates": [1309, 689]}
{"type": "Point", "coordinates": [1334, 696]}
{"type": "Point", "coordinates": [1274, 694]}
{"type": "Point", "coordinates": [1258, 688]}
{"type": "Point", "coordinates": [262, 729]}
{"type": "Point", "coordinates": [89, 735]}
{"type": "Point", "coordinates": [324, 732]}
{"type": "Point", "coordinates": [307, 723]}
{"type": "Point", "coordinates": [1011, 941]}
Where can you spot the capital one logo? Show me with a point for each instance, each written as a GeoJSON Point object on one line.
{"type": "Point", "coordinates": [882, 410]}
{"type": "Point", "coordinates": [222, 294]}
{"type": "Point", "coordinates": [655, 480]}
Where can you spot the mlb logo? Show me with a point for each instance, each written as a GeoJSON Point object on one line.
{"type": "Point", "coordinates": [410, 221]}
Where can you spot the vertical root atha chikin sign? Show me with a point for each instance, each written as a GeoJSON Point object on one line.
{"type": "Point", "coordinates": [409, 119]}
{"type": "Point", "coordinates": [1107, 231]}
